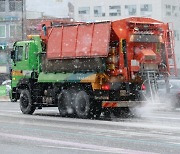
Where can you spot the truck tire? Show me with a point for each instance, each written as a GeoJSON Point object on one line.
{"type": "Point", "coordinates": [73, 94]}
{"type": "Point", "coordinates": [82, 104]}
{"type": "Point", "coordinates": [26, 105]}
{"type": "Point", "coordinates": [64, 103]}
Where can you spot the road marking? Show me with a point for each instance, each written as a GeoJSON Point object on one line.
{"type": "Point", "coordinates": [76, 145]}
{"type": "Point", "coordinates": [83, 149]}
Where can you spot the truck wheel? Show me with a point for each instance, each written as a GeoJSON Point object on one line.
{"type": "Point", "coordinates": [64, 103]}
{"type": "Point", "coordinates": [73, 94]}
{"type": "Point", "coordinates": [82, 104]}
{"type": "Point", "coordinates": [26, 105]}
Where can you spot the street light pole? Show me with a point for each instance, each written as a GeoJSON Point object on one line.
{"type": "Point", "coordinates": [23, 19]}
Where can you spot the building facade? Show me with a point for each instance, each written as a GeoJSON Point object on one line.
{"type": "Point", "coordinates": [163, 10]}
{"type": "Point", "coordinates": [11, 30]}
{"type": "Point", "coordinates": [11, 13]}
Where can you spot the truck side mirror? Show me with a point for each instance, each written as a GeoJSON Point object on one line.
{"type": "Point", "coordinates": [13, 55]}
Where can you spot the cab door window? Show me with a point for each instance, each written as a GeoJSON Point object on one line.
{"type": "Point", "coordinates": [26, 51]}
{"type": "Point", "coordinates": [19, 53]}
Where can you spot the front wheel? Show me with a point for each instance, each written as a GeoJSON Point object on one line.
{"type": "Point", "coordinates": [26, 105]}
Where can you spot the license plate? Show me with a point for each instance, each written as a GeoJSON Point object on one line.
{"type": "Point", "coordinates": [123, 93]}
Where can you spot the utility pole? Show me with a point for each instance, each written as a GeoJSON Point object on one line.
{"type": "Point", "coordinates": [23, 19]}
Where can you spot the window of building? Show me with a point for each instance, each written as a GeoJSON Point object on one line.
{"type": "Point", "coordinates": [19, 31]}
{"type": "Point", "coordinates": [99, 11]}
{"type": "Point", "coordinates": [146, 9]}
{"type": "Point", "coordinates": [130, 10]}
{"type": "Point", "coordinates": [84, 10]}
{"type": "Point", "coordinates": [12, 30]}
{"type": "Point", "coordinates": [176, 35]}
{"type": "Point", "coordinates": [15, 31]}
{"type": "Point", "coordinates": [2, 31]}
{"type": "Point", "coordinates": [3, 58]}
{"type": "Point", "coordinates": [175, 11]}
{"type": "Point", "coordinates": [15, 5]}
{"type": "Point", "coordinates": [168, 10]}
{"type": "Point", "coordinates": [115, 10]}
{"type": "Point", "coordinates": [2, 5]}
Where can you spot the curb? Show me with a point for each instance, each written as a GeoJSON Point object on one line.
{"type": "Point", "coordinates": [4, 98]}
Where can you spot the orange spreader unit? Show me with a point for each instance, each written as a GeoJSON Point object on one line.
{"type": "Point", "coordinates": [81, 40]}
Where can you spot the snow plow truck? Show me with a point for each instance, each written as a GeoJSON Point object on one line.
{"type": "Point", "coordinates": [86, 68]}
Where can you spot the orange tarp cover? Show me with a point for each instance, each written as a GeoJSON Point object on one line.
{"type": "Point", "coordinates": [84, 40]}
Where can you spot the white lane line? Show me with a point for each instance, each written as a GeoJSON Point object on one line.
{"type": "Point", "coordinates": [17, 110]}
{"type": "Point", "coordinates": [174, 142]}
{"type": "Point", "coordinates": [80, 149]}
{"type": "Point", "coordinates": [9, 111]}
{"type": "Point", "coordinates": [161, 117]}
{"type": "Point", "coordinates": [76, 145]}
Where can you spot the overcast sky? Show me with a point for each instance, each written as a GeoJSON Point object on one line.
{"type": "Point", "coordinates": [57, 8]}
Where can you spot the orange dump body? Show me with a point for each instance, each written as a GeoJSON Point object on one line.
{"type": "Point", "coordinates": [78, 40]}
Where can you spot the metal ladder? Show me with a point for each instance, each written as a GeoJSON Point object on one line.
{"type": "Point", "coordinates": [169, 49]}
{"type": "Point", "coordinates": [151, 83]}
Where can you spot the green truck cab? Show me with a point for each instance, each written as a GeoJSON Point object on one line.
{"type": "Point", "coordinates": [24, 67]}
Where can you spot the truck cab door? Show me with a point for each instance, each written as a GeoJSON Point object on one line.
{"type": "Point", "coordinates": [20, 69]}
{"type": "Point", "coordinates": [21, 57]}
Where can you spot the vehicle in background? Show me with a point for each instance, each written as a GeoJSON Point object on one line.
{"type": "Point", "coordinates": [7, 84]}
{"type": "Point", "coordinates": [171, 96]}
{"type": "Point", "coordinates": [5, 88]}
{"type": "Point", "coordinates": [2, 90]}
{"type": "Point", "coordinates": [5, 63]}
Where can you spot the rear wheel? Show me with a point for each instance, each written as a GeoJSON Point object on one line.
{"type": "Point", "coordinates": [82, 104]}
{"type": "Point", "coordinates": [26, 104]}
{"type": "Point", "coordinates": [73, 94]}
{"type": "Point", "coordinates": [64, 103]}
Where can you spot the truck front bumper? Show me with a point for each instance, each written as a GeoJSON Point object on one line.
{"type": "Point", "coordinates": [115, 104]}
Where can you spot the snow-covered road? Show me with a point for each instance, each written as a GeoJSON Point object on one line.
{"type": "Point", "coordinates": [157, 131]}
